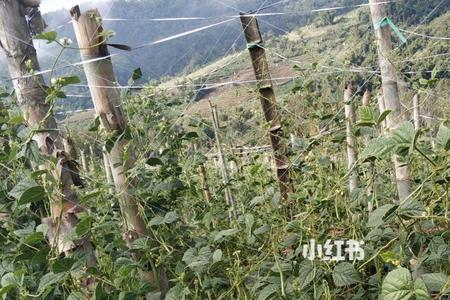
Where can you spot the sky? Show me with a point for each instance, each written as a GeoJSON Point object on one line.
{"type": "Point", "coordinates": [51, 5]}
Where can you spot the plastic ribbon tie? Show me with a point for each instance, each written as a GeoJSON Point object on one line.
{"type": "Point", "coordinates": [388, 22]}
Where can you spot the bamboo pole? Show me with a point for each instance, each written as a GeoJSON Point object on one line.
{"type": "Point", "coordinates": [390, 92]}
{"type": "Point", "coordinates": [416, 111]}
{"type": "Point", "coordinates": [17, 44]}
{"type": "Point", "coordinates": [268, 102]}
{"type": "Point", "coordinates": [222, 163]}
{"type": "Point", "coordinates": [83, 160]}
{"type": "Point", "coordinates": [204, 180]}
{"type": "Point", "coordinates": [371, 166]}
{"type": "Point", "coordinates": [352, 154]}
{"type": "Point", "coordinates": [108, 107]}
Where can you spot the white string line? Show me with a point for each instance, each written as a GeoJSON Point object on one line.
{"type": "Point", "coordinates": [48, 71]}
{"type": "Point", "coordinates": [176, 36]}
{"type": "Point", "coordinates": [426, 36]}
{"type": "Point", "coordinates": [193, 18]}
{"type": "Point", "coordinates": [172, 19]}
{"type": "Point", "coordinates": [113, 55]}
{"type": "Point", "coordinates": [186, 108]}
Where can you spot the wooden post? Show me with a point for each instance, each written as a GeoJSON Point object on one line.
{"type": "Point", "coordinates": [390, 92]}
{"type": "Point", "coordinates": [108, 106]}
{"type": "Point", "coordinates": [352, 154]}
{"type": "Point", "coordinates": [268, 102]}
{"type": "Point", "coordinates": [17, 44]}
{"type": "Point", "coordinates": [204, 180]}
{"type": "Point", "coordinates": [222, 162]}
{"type": "Point", "coordinates": [416, 111]}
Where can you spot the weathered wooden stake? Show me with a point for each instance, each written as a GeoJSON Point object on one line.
{"type": "Point", "coordinates": [204, 180]}
{"type": "Point", "coordinates": [17, 44]}
{"type": "Point", "coordinates": [268, 102]}
{"type": "Point", "coordinates": [352, 154]}
{"type": "Point", "coordinates": [222, 162]}
{"type": "Point", "coordinates": [416, 111]}
{"type": "Point", "coordinates": [390, 92]}
{"type": "Point", "coordinates": [108, 107]}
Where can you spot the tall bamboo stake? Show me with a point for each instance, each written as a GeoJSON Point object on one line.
{"type": "Point", "coordinates": [371, 166]}
{"type": "Point", "coordinates": [390, 91]}
{"type": "Point", "coordinates": [204, 180]}
{"type": "Point", "coordinates": [83, 160]}
{"type": "Point", "coordinates": [17, 44]}
{"type": "Point", "coordinates": [352, 154]}
{"type": "Point", "coordinates": [108, 107]}
{"type": "Point", "coordinates": [222, 163]}
{"type": "Point", "coordinates": [416, 111]}
{"type": "Point", "coordinates": [268, 102]}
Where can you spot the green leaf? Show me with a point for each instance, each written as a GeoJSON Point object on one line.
{"type": "Point", "coordinates": [27, 191]}
{"type": "Point", "coordinates": [127, 296]}
{"type": "Point", "coordinates": [158, 220]}
{"type": "Point", "coordinates": [153, 162]}
{"type": "Point", "coordinates": [404, 138]}
{"type": "Point", "coordinates": [269, 292]}
{"type": "Point", "coordinates": [76, 296]}
{"type": "Point", "coordinates": [9, 279]}
{"type": "Point", "coordinates": [420, 290]}
{"type": "Point", "coordinates": [366, 116]}
{"type": "Point", "coordinates": [383, 116]}
{"type": "Point", "coordinates": [410, 208]}
{"type": "Point", "coordinates": [435, 282]}
{"type": "Point", "coordinates": [191, 135]}
{"type": "Point", "coordinates": [49, 36]}
{"type": "Point", "coordinates": [110, 143]}
{"type": "Point", "coordinates": [306, 273]}
{"type": "Point", "coordinates": [40, 257]}
{"type": "Point", "coordinates": [171, 217]}
{"type": "Point", "coordinates": [225, 233]}
{"type": "Point", "coordinates": [64, 81]}
{"type": "Point", "coordinates": [344, 274]}
{"type": "Point", "coordinates": [84, 226]}
{"type": "Point", "coordinates": [137, 74]}
{"type": "Point", "coordinates": [50, 279]}
{"type": "Point", "coordinates": [443, 137]}
{"type": "Point", "coordinates": [379, 148]}
{"type": "Point", "coordinates": [178, 292]}
{"type": "Point", "coordinates": [217, 256]}
{"type": "Point", "coordinates": [31, 152]}
{"type": "Point", "coordinates": [377, 217]}
{"type": "Point", "coordinates": [397, 285]}
{"type": "Point", "coordinates": [249, 222]}
{"type": "Point", "coordinates": [34, 238]}
{"type": "Point", "coordinates": [95, 124]}
{"type": "Point", "coordinates": [63, 265]}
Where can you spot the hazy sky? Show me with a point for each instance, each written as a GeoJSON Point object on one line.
{"type": "Point", "coordinates": [50, 5]}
